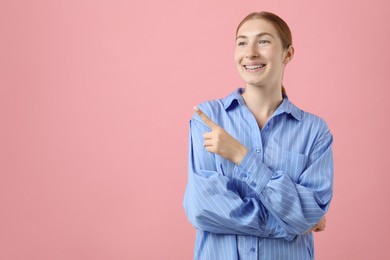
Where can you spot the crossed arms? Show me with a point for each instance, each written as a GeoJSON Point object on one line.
{"type": "Point", "coordinates": [275, 206]}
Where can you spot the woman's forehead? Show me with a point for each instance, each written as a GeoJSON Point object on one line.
{"type": "Point", "coordinates": [254, 27]}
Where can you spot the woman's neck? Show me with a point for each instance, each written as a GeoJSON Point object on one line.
{"type": "Point", "coordinates": [261, 100]}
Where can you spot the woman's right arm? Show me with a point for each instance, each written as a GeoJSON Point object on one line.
{"type": "Point", "coordinates": [211, 202]}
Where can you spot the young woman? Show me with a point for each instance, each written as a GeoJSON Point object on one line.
{"type": "Point", "coordinates": [260, 176]}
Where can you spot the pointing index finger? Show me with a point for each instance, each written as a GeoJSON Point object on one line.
{"type": "Point", "coordinates": [210, 123]}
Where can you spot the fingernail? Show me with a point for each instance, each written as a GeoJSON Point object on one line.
{"type": "Point", "coordinates": [196, 108]}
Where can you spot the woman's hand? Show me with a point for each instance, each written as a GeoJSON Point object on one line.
{"type": "Point", "coordinates": [220, 142]}
{"type": "Point", "coordinates": [320, 226]}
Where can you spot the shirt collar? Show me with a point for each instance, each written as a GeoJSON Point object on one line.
{"type": "Point", "coordinates": [286, 107]}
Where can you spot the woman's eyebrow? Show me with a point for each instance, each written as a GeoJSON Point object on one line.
{"type": "Point", "coordinates": [257, 35]}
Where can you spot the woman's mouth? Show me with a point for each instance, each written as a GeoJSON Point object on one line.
{"type": "Point", "coordinates": [254, 68]}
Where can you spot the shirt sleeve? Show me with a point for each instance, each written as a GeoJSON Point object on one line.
{"type": "Point", "coordinates": [296, 207]}
{"type": "Point", "coordinates": [212, 204]}
{"type": "Point", "coordinates": [277, 207]}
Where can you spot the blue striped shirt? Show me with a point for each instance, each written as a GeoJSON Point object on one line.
{"type": "Point", "coordinates": [263, 208]}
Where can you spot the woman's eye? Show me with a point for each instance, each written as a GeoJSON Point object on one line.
{"type": "Point", "coordinates": [241, 44]}
{"type": "Point", "coordinates": [263, 41]}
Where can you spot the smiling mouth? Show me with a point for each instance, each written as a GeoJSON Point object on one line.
{"type": "Point", "coordinates": [254, 67]}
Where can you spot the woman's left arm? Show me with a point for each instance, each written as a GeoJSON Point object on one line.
{"type": "Point", "coordinates": [297, 206]}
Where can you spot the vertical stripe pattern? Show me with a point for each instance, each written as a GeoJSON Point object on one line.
{"type": "Point", "coordinates": [263, 208]}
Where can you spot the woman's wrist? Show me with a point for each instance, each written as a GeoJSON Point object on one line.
{"type": "Point", "coordinates": [240, 155]}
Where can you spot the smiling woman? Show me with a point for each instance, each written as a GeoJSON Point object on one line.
{"type": "Point", "coordinates": [278, 32]}
{"type": "Point", "coordinates": [260, 176]}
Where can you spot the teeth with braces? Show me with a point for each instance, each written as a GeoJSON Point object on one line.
{"type": "Point", "coordinates": [254, 67]}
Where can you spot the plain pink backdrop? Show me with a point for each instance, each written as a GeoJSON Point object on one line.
{"type": "Point", "coordinates": [95, 99]}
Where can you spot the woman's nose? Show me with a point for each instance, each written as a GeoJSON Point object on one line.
{"type": "Point", "coordinates": [252, 52]}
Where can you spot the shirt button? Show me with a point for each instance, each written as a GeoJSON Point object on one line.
{"type": "Point", "coordinates": [253, 184]}
{"type": "Point", "coordinates": [258, 150]}
{"type": "Point", "coordinates": [243, 175]}
{"type": "Point", "coordinates": [253, 249]}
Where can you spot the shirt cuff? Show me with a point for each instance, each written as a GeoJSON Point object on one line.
{"type": "Point", "coordinates": [253, 172]}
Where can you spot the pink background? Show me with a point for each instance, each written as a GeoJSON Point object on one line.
{"type": "Point", "coordinates": [95, 98]}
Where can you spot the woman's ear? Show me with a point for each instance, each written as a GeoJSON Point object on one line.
{"type": "Point", "coordinates": [289, 54]}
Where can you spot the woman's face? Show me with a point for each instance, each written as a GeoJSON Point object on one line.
{"type": "Point", "coordinates": [259, 55]}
